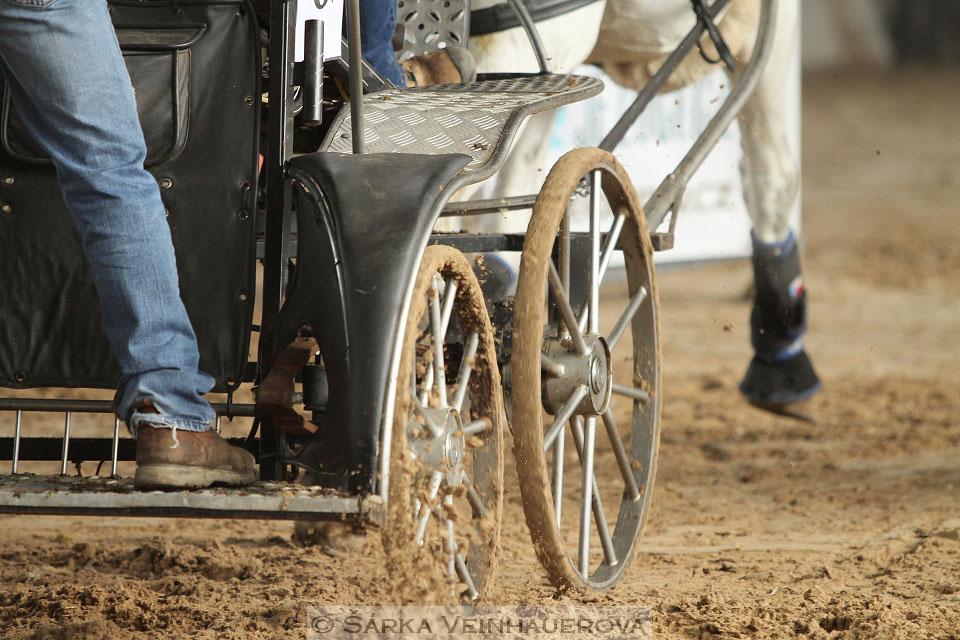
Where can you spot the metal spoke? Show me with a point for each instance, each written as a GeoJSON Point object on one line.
{"type": "Point", "coordinates": [451, 541]}
{"type": "Point", "coordinates": [608, 248]}
{"type": "Point", "coordinates": [465, 576]}
{"type": "Point", "coordinates": [466, 367]}
{"type": "Point", "coordinates": [627, 316]}
{"type": "Point", "coordinates": [477, 427]}
{"type": "Point", "coordinates": [560, 297]}
{"type": "Point", "coordinates": [564, 257]}
{"type": "Point", "coordinates": [563, 415]}
{"type": "Point", "coordinates": [116, 446]}
{"type": "Point", "coordinates": [594, 300]}
{"type": "Point", "coordinates": [637, 394]}
{"type": "Point", "coordinates": [586, 497]}
{"type": "Point", "coordinates": [558, 453]}
{"type": "Point", "coordinates": [620, 452]}
{"type": "Point", "coordinates": [551, 367]}
{"type": "Point", "coordinates": [476, 502]}
{"type": "Point", "coordinates": [449, 295]}
{"type": "Point", "coordinates": [440, 378]}
{"type": "Point", "coordinates": [599, 515]}
{"type": "Point", "coordinates": [435, 478]}
{"type": "Point", "coordinates": [16, 442]}
{"type": "Point", "coordinates": [216, 425]}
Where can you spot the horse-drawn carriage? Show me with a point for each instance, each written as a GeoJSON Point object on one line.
{"type": "Point", "coordinates": [383, 377]}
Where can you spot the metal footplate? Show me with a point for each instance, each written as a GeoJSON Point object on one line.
{"type": "Point", "coordinates": [73, 495]}
{"type": "Point", "coordinates": [479, 118]}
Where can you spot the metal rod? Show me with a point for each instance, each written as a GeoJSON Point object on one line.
{"type": "Point", "coordinates": [66, 443]}
{"type": "Point", "coordinates": [637, 394]}
{"type": "Point", "coordinates": [356, 76]}
{"type": "Point", "coordinates": [565, 255]}
{"type": "Point", "coordinates": [620, 453]}
{"type": "Point", "coordinates": [477, 427]}
{"type": "Point", "coordinates": [563, 415]}
{"type": "Point", "coordinates": [490, 205]}
{"type": "Point", "coordinates": [466, 366]}
{"type": "Point", "coordinates": [595, 192]}
{"type": "Point", "coordinates": [449, 295]}
{"type": "Point", "coordinates": [558, 454]}
{"type": "Point", "coordinates": [479, 508]}
{"type": "Point", "coordinates": [16, 442]}
{"type": "Point", "coordinates": [586, 497]}
{"type": "Point", "coordinates": [551, 367]}
{"type": "Point", "coordinates": [530, 27]}
{"type": "Point", "coordinates": [599, 515]}
{"type": "Point", "coordinates": [653, 86]}
{"type": "Point", "coordinates": [216, 425]}
{"type": "Point", "coordinates": [114, 451]}
{"type": "Point", "coordinates": [617, 332]}
{"type": "Point", "coordinates": [560, 297]}
{"type": "Point", "coordinates": [439, 377]}
{"type": "Point", "coordinates": [609, 245]}
{"type": "Point", "coordinates": [472, 592]}
{"type": "Point", "coordinates": [435, 479]}
{"type": "Point", "coordinates": [102, 406]}
{"type": "Point", "coordinates": [668, 194]}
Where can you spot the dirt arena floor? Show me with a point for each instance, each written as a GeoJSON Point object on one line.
{"type": "Point", "coordinates": [761, 527]}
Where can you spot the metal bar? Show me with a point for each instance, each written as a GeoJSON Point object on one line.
{"type": "Point", "coordinates": [563, 415]}
{"type": "Point", "coordinates": [565, 256]}
{"type": "Point", "coordinates": [599, 515]}
{"type": "Point", "coordinates": [435, 479]}
{"type": "Point", "coordinates": [620, 453]}
{"type": "Point", "coordinates": [668, 194]}
{"type": "Point", "coordinates": [595, 191]}
{"type": "Point", "coordinates": [560, 297]}
{"type": "Point", "coordinates": [637, 394]}
{"type": "Point", "coordinates": [479, 508]}
{"type": "Point", "coordinates": [477, 427]}
{"type": "Point", "coordinates": [530, 27]}
{"type": "Point", "coordinates": [610, 243]}
{"type": "Point", "coordinates": [558, 454]}
{"type": "Point", "coordinates": [356, 75]}
{"type": "Point", "coordinates": [103, 406]}
{"type": "Point", "coordinates": [439, 376]}
{"type": "Point", "coordinates": [586, 497]}
{"type": "Point", "coordinates": [551, 367]}
{"type": "Point", "coordinates": [449, 295]}
{"type": "Point", "coordinates": [617, 332]}
{"type": "Point", "coordinates": [313, 72]}
{"type": "Point", "coordinates": [216, 424]}
{"type": "Point", "coordinates": [472, 592]}
{"type": "Point", "coordinates": [115, 449]}
{"type": "Point", "coordinates": [16, 442]}
{"type": "Point", "coordinates": [66, 443]}
{"type": "Point", "coordinates": [489, 205]}
{"type": "Point", "coordinates": [653, 86]}
{"type": "Point", "coordinates": [463, 376]}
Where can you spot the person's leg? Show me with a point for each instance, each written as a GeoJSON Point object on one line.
{"type": "Point", "coordinates": [68, 82]}
{"type": "Point", "coordinates": [378, 21]}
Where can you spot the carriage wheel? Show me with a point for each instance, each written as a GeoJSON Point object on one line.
{"type": "Point", "coordinates": [577, 370]}
{"type": "Point", "coordinates": [446, 471]}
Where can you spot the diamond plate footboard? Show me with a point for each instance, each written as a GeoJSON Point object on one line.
{"type": "Point", "coordinates": [72, 495]}
{"type": "Point", "coordinates": [479, 118]}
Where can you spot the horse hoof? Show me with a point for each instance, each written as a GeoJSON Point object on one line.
{"type": "Point", "coordinates": [777, 383]}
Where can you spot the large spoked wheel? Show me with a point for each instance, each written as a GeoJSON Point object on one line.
{"type": "Point", "coordinates": [446, 488]}
{"type": "Point", "coordinates": [586, 374]}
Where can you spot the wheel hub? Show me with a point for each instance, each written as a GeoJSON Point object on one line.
{"type": "Point", "coordinates": [592, 370]}
{"type": "Point", "coordinates": [439, 442]}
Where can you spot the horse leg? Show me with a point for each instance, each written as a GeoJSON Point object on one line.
{"type": "Point", "coordinates": [780, 372]}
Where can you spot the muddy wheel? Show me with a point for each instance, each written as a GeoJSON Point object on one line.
{"type": "Point", "coordinates": [586, 374]}
{"type": "Point", "coordinates": [446, 491]}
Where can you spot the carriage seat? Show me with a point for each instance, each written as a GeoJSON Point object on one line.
{"type": "Point", "coordinates": [478, 118]}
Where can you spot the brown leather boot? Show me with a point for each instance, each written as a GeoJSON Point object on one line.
{"type": "Point", "coordinates": [189, 460]}
{"type": "Point", "coordinates": [452, 65]}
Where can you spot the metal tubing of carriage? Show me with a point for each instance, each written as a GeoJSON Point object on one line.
{"type": "Point", "coordinates": [356, 76]}
{"type": "Point", "coordinates": [668, 194]}
{"type": "Point", "coordinates": [530, 27]}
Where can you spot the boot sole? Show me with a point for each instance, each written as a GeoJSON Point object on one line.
{"type": "Point", "coordinates": [171, 476]}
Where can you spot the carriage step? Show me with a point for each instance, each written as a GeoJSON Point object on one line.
{"type": "Point", "coordinates": [479, 118]}
{"type": "Point", "coordinates": [74, 495]}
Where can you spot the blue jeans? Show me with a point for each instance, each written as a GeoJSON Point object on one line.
{"type": "Point", "coordinates": [378, 20]}
{"type": "Point", "coordinates": [66, 75]}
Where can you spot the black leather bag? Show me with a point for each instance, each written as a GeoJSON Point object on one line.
{"type": "Point", "coordinates": [195, 66]}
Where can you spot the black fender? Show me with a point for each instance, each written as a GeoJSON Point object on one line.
{"type": "Point", "coordinates": [362, 224]}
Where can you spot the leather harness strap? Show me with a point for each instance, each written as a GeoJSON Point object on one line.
{"type": "Point", "coordinates": [706, 19]}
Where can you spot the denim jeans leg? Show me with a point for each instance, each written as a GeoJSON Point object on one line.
{"type": "Point", "coordinates": [378, 20]}
{"type": "Point", "coordinates": [67, 78]}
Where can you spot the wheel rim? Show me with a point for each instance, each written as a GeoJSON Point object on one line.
{"type": "Point", "coordinates": [445, 502]}
{"type": "Point", "coordinates": [569, 384]}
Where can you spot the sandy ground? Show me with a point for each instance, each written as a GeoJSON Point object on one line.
{"type": "Point", "coordinates": [761, 527]}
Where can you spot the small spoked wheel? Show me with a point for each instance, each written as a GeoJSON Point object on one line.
{"type": "Point", "coordinates": [445, 497]}
{"type": "Point", "coordinates": [585, 372]}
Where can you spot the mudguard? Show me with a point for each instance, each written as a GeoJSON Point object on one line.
{"type": "Point", "coordinates": [362, 224]}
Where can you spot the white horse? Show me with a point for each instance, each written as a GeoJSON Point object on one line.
{"type": "Point", "coordinates": [630, 39]}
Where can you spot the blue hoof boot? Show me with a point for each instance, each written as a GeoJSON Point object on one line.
{"type": "Point", "coordinates": [775, 383]}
